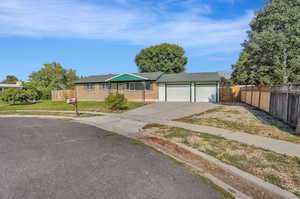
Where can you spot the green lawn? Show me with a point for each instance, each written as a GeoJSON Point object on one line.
{"type": "Point", "coordinates": [62, 106]}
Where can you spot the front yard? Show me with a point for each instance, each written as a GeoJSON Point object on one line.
{"type": "Point", "coordinates": [62, 106]}
{"type": "Point", "coordinates": [278, 169]}
{"type": "Point", "coordinates": [245, 119]}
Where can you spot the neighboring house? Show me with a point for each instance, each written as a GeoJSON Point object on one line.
{"type": "Point", "coordinates": [5, 86]}
{"type": "Point", "coordinates": [151, 87]}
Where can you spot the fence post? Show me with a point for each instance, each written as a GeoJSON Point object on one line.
{"type": "Point", "coordinates": [287, 103]}
{"type": "Point", "coordinates": [298, 127]}
{"type": "Point", "coordinates": [251, 96]}
{"type": "Point", "coordinates": [259, 96]}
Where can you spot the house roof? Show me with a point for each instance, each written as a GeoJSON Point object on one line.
{"type": "Point", "coordinates": [103, 78]}
{"type": "Point", "coordinates": [190, 77]}
{"type": "Point", "coordinates": [125, 77]}
{"type": "Point", "coordinates": [94, 79]}
{"type": "Point", "coordinates": [10, 86]}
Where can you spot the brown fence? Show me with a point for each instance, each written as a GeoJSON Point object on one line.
{"type": "Point", "coordinates": [61, 95]}
{"type": "Point", "coordinates": [230, 94]}
{"type": "Point", "coordinates": [282, 102]}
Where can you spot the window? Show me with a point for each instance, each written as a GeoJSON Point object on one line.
{"type": "Point", "coordinates": [89, 86]}
{"type": "Point", "coordinates": [122, 86]}
{"type": "Point", "coordinates": [139, 86]}
{"type": "Point", "coordinates": [148, 85]}
{"type": "Point", "coordinates": [106, 86]}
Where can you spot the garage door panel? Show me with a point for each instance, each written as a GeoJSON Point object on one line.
{"type": "Point", "coordinates": [178, 93]}
{"type": "Point", "coordinates": [206, 93]}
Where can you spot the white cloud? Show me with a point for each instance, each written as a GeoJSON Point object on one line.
{"type": "Point", "coordinates": [144, 23]}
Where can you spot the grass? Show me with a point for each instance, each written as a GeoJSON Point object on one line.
{"type": "Point", "coordinates": [275, 168]}
{"type": "Point", "coordinates": [237, 120]}
{"type": "Point", "coordinates": [47, 113]}
{"type": "Point", "coordinates": [62, 106]}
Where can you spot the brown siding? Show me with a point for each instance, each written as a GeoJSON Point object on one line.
{"type": "Point", "coordinates": [98, 94]}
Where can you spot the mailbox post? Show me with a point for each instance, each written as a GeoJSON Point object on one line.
{"type": "Point", "coordinates": [73, 101]}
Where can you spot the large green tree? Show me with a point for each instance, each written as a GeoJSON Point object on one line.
{"type": "Point", "coordinates": [10, 79]}
{"type": "Point", "coordinates": [271, 55]}
{"type": "Point", "coordinates": [165, 57]}
{"type": "Point", "coordinates": [52, 76]}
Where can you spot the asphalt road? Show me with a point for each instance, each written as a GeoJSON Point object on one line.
{"type": "Point", "coordinates": [47, 159]}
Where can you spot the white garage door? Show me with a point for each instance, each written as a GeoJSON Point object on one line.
{"type": "Point", "coordinates": [206, 93]}
{"type": "Point", "coordinates": [178, 93]}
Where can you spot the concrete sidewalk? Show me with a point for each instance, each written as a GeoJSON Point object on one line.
{"type": "Point", "coordinates": [131, 125]}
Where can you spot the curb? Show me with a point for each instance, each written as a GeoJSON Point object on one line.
{"type": "Point", "coordinates": [268, 190]}
{"type": "Point", "coordinates": [37, 116]}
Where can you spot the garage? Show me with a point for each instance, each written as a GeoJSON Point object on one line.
{"type": "Point", "coordinates": [178, 93]}
{"type": "Point", "coordinates": [205, 93]}
{"type": "Point", "coordinates": [189, 87]}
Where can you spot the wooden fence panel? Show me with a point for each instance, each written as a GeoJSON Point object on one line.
{"type": "Point", "coordinates": [61, 95]}
{"type": "Point", "coordinates": [265, 100]}
{"type": "Point", "coordinates": [293, 109]}
{"type": "Point", "coordinates": [230, 94]}
{"type": "Point", "coordinates": [255, 98]}
{"type": "Point", "coordinates": [282, 102]}
{"type": "Point", "coordinates": [248, 97]}
{"type": "Point", "coordinates": [278, 106]}
{"type": "Point", "coordinates": [243, 96]}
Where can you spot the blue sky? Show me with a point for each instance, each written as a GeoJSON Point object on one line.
{"type": "Point", "coordinates": [103, 36]}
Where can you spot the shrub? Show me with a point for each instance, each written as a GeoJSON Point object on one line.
{"type": "Point", "coordinates": [19, 95]}
{"type": "Point", "coordinates": [116, 102]}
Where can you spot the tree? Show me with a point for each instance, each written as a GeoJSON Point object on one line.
{"type": "Point", "coordinates": [52, 76]}
{"type": "Point", "coordinates": [10, 79]}
{"type": "Point", "coordinates": [165, 57]}
{"type": "Point", "coordinates": [271, 55]}
{"type": "Point", "coordinates": [20, 95]}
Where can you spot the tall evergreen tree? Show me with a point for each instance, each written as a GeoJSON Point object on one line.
{"type": "Point", "coordinates": [271, 55]}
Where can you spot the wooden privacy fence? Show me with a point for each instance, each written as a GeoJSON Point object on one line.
{"type": "Point", "coordinates": [61, 95]}
{"type": "Point", "coordinates": [257, 96]}
{"type": "Point", "coordinates": [230, 94]}
{"type": "Point", "coordinates": [282, 102]}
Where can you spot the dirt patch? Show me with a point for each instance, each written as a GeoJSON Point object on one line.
{"type": "Point", "coordinates": [280, 170]}
{"type": "Point", "coordinates": [245, 119]}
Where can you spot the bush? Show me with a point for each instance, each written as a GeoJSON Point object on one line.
{"type": "Point", "coordinates": [116, 102]}
{"type": "Point", "coordinates": [19, 95]}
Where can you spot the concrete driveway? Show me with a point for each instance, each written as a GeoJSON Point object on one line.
{"type": "Point", "coordinates": [56, 159]}
{"type": "Point", "coordinates": [170, 110]}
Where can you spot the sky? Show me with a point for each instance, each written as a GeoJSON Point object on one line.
{"type": "Point", "coordinates": [103, 36]}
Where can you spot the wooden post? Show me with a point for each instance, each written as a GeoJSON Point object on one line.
{"type": "Point", "coordinates": [287, 104]}
{"type": "Point", "coordinates": [259, 96]}
{"type": "Point", "coordinates": [298, 127]}
{"type": "Point", "coordinates": [251, 95]}
{"type": "Point", "coordinates": [76, 107]}
{"type": "Point", "coordinates": [144, 93]}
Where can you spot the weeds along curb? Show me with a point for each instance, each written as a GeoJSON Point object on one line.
{"type": "Point", "coordinates": [220, 173]}
{"type": "Point", "coordinates": [38, 116]}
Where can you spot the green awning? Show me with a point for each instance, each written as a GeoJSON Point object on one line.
{"type": "Point", "coordinates": [126, 77]}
